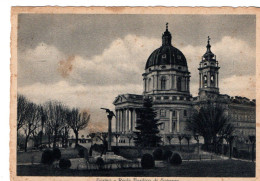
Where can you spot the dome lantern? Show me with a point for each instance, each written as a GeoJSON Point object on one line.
{"type": "Point", "coordinates": [208, 55]}
{"type": "Point", "coordinates": [166, 54]}
{"type": "Point", "coordinates": [166, 37]}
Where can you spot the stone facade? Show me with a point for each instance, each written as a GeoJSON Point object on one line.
{"type": "Point", "coordinates": [167, 81]}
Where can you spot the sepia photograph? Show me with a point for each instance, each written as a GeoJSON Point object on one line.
{"type": "Point", "coordinates": [134, 94]}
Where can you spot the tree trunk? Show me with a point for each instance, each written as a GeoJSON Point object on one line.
{"type": "Point", "coordinates": [253, 150]}
{"type": "Point", "coordinates": [230, 149]}
{"type": "Point", "coordinates": [49, 140]}
{"type": "Point", "coordinates": [54, 138]}
{"type": "Point", "coordinates": [198, 147]}
{"type": "Point", "coordinates": [77, 137]}
{"type": "Point", "coordinates": [25, 144]}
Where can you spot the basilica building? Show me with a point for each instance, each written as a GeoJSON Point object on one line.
{"type": "Point", "coordinates": [166, 80]}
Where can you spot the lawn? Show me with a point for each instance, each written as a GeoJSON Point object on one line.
{"type": "Point", "coordinates": [26, 157]}
{"type": "Point", "coordinates": [211, 168]}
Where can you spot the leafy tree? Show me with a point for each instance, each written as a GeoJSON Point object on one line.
{"type": "Point", "coordinates": [211, 123]}
{"type": "Point", "coordinates": [77, 121]}
{"type": "Point", "coordinates": [147, 126]}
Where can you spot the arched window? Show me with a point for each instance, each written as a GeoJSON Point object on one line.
{"type": "Point", "coordinates": [205, 80]}
{"type": "Point", "coordinates": [149, 84]}
{"type": "Point", "coordinates": [179, 84]}
{"type": "Point", "coordinates": [163, 83]}
{"type": "Point", "coordinates": [212, 80]}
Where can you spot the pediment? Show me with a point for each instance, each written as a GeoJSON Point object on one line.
{"type": "Point", "coordinates": [119, 99]}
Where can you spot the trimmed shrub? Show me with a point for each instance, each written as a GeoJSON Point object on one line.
{"type": "Point", "coordinates": [56, 153]}
{"type": "Point", "coordinates": [175, 159]}
{"type": "Point", "coordinates": [167, 154]}
{"type": "Point", "coordinates": [147, 161]}
{"type": "Point", "coordinates": [47, 157]}
{"type": "Point", "coordinates": [100, 163]}
{"type": "Point", "coordinates": [158, 154]}
{"type": "Point", "coordinates": [64, 163]}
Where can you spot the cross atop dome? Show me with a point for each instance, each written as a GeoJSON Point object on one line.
{"type": "Point", "coordinates": [166, 26]}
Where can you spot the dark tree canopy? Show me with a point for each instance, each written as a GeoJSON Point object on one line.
{"type": "Point", "coordinates": [211, 122]}
{"type": "Point", "coordinates": [147, 126]}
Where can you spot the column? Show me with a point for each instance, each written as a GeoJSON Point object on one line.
{"type": "Point", "coordinates": [134, 119]}
{"type": "Point", "coordinates": [170, 122]}
{"type": "Point", "coordinates": [131, 119]}
{"type": "Point", "coordinates": [175, 82]}
{"type": "Point", "coordinates": [185, 80]}
{"type": "Point", "coordinates": [178, 120]}
{"type": "Point", "coordinates": [200, 80]}
{"type": "Point", "coordinates": [127, 120]}
{"type": "Point", "coordinates": [188, 84]}
{"type": "Point", "coordinates": [157, 82]}
{"type": "Point", "coordinates": [217, 79]}
{"type": "Point", "coordinates": [208, 79]}
{"type": "Point", "coordinates": [117, 120]}
{"type": "Point", "coordinates": [144, 84]}
{"type": "Point", "coordinates": [122, 121]}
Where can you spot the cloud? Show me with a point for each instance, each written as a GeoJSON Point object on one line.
{"type": "Point", "coordinates": [235, 57]}
{"type": "Point", "coordinates": [45, 73]}
{"type": "Point", "coordinates": [87, 97]}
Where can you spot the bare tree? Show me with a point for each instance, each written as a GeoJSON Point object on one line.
{"type": "Point", "coordinates": [170, 137]}
{"type": "Point", "coordinates": [22, 109]}
{"type": "Point", "coordinates": [180, 137]}
{"type": "Point", "coordinates": [92, 136]}
{"type": "Point", "coordinates": [31, 123]}
{"type": "Point", "coordinates": [117, 135]}
{"type": "Point", "coordinates": [252, 141]}
{"type": "Point", "coordinates": [56, 115]}
{"type": "Point", "coordinates": [77, 121]}
{"type": "Point", "coordinates": [188, 138]}
{"type": "Point", "coordinates": [65, 135]}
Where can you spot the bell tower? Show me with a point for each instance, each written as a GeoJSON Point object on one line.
{"type": "Point", "coordinates": [208, 72]}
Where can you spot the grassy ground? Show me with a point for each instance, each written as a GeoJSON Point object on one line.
{"type": "Point", "coordinates": [26, 157]}
{"type": "Point", "coordinates": [213, 168]}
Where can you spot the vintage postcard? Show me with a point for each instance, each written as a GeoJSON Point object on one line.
{"type": "Point", "coordinates": [144, 93]}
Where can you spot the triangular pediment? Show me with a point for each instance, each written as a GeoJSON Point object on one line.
{"type": "Point", "coordinates": [119, 99]}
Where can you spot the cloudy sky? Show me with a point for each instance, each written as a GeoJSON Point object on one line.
{"type": "Point", "coordinates": [85, 61]}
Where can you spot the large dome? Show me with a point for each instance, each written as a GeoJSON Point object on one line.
{"type": "Point", "coordinates": [166, 54]}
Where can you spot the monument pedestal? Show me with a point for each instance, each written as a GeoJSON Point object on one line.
{"type": "Point", "coordinates": [110, 153]}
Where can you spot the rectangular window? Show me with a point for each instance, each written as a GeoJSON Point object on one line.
{"type": "Point", "coordinates": [174, 113]}
{"type": "Point", "coordinates": [185, 113]}
{"type": "Point", "coordinates": [162, 126]}
{"type": "Point", "coordinates": [162, 113]}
